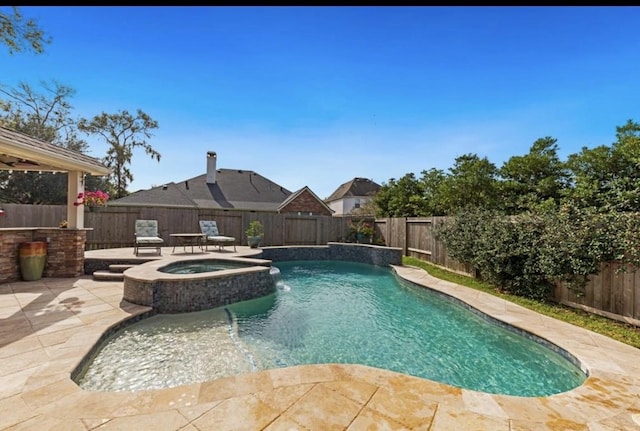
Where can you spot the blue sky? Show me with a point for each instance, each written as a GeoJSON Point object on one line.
{"type": "Point", "coordinates": [315, 96]}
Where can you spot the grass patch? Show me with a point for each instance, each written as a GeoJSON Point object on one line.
{"type": "Point", "coordinates": [619, 331]}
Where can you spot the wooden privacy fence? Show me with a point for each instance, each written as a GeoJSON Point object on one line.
{"type": "Point", "coordinates": [416, 237]}
{"type": "Point", "coordinates": [611, 293]}
{"type": "Point", "coordinates": [113, 226]}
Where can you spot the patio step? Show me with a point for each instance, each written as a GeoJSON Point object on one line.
{"type": "Point", "coordinates": [117, 267]}
{"type": "Point", "coordinates": [104, 275]}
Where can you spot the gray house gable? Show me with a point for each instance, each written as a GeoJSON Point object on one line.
{"type": "Point", "coordinates": [233, 189]}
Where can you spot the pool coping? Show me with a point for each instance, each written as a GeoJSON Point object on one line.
{"type": "Point", "coordinates": [37, 359]}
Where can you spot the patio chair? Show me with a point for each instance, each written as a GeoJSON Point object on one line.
{"type": "Point", "coordinates": [212, 236]}
{"type": "Point", "coordinates": [147, 236]}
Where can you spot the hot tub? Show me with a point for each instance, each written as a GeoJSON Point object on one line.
{"type": "Point", "coordinates": [170, 286]}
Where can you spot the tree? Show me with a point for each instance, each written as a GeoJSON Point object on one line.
{"type": "Point", "coordinates": [432, 182]}
{"type": "Point", "coordinates": [608, 177]}
{"type": "Point", "coordinates": [369, 208]}
{"type": "Point", "coordinates": [535, 178]}
{"type": "Point", "coordinates": [123, 132]}
{"type": "Point", "coordinates": [402, 198]}
{"type": "Point", "coordinates": [472, 182]}
{"type": "Point", "coordinates": [45, 116]}
{"type": "Point", "coordinates": [19, 34]}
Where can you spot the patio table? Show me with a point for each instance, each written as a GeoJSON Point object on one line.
{"type": "Point", "coordinates": [185, 239]}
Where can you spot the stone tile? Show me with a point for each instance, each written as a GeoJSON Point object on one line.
{"type": "Point", "coordinates": [50, 424]}
{"type": "Point", "coordinates": [114, 299]}
{"type": "Point", "coordinates": [371, 420]}
{"type": "Point", "coordinates": [623, 421]}
{"type": "Point", "coordinates": [13, 324]}
{"type": "Point", "coordinates": [315, 373]}
{"type": "Point", "coordinates": [283, 423]}
{"type": "Point", "coordinates": [55, 314]}
{"type": "Point", "coordinates": [245, 413]}
{"type": "Point", "coordinates": [92, 423]}
{"type": "Point", "coordinates": [425, 389]}
{"type": "Point", "coordinates": [58, 337]}
{"type": "Point", "coordinates": [19, 362]}
{"type": "Point", "coordinates": [14, 411]}
{"type": "Point", "coordinates": [482, 403]}
{"type": "Point", "coordinates": [253, 382]}
{"type": "Point", "coordinates": [26, 298]}
{"type": "Point", "coordinates": [447, 419]}
{"type": "Point", "coordinates": [232, 386]}
{"type": "Point", "coordinates": [8, 301]}
{"type": "Point", "coordinates": [321, 408]}
{"type": "Point", "coordinates": [75, 293]}
{"type": "Point", "coordinates": [75, 303]}
{"type": "Point", "coordinates": [162, 421]}
{"type": "Point", "coordinates": [46, 395]}
{"type": "Point", "coordinates": [55, 367]}
{"type": "Point", "coordinates": [533, 410]}
{"type": "Point", "coordinates": [21, 329]}
{"type": "Point", "coordinates": [360, 392]}
{"type": "Point", "coordinates": [21, 345]}
{"type": "Point", "coordinates": [49, 327]}
{"type": "Point", "coordinates": [192, 412]}
{"type": "Point", "coordinates": [12, 384]}
{"type": "Point", "coordinates": [109, 315]}
{"type": "Point", "coordinates": [409, 408]}
{"type": "Point", "coordinates": [166, 399]}
{"type": "Point", "coordinates": [83, 404]}
{"type": "Point", "coordinates": [45, 301]}
{"type": "Point", "coordinates": [285, 396]}
{"type": "Point", "coordinates": [42, 377]}
{"type": "Point", "coordinates": [29, 286]}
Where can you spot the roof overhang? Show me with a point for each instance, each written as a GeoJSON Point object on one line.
{"type": "Point", "coordinates": [21, 152]}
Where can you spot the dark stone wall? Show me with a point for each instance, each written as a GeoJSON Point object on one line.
{"type": "Point", "coordinates": [362, 253]}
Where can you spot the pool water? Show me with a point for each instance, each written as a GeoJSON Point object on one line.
{"type": "Point", "coordinates": [333, 312]}
{"type": "Point", "coordinates": [198, 266]}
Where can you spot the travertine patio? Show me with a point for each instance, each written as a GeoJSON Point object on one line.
{"type": "Point", "coordinates": [47, 326]}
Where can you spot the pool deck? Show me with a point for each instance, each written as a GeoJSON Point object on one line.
{"type": "Point", "coordinates": [47, 326]}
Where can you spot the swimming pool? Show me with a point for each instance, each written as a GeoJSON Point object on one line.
{"type": "Point", "coordinates": [333, 312]}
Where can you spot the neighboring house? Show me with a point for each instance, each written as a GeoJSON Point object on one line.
{"type": "Point", "coordinates": [352, 195]}
{"type": "Point", "coordinates": [228, 189]}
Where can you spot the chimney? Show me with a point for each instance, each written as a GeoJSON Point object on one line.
{"type": "Point", "coordinates": [211, 167]}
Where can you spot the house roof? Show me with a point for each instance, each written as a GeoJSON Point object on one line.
{"type": "Point", "coordinates": [295, 195]}
{"type": "Point", "coordinates": [22, 152]}
{"type": "Point", "coordinates": [234, 189]}
{"type": "Point", "coordinates": [357, 187]}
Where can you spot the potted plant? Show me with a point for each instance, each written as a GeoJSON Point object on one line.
{"type": "Point", "coordinates": [361, 230]}
{"type": "Point", "coordinates": [254, 233]}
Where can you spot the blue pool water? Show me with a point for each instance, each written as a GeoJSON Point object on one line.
{"type": "Point", "coordinates": [198, 266]}
{"type": "Point", "coordinates": [333, 312]}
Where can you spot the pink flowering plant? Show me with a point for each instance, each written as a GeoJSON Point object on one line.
{"type": "Point", "coordinates": [361, 229]}
{"type": "Point", "coordinates": [92, 199]}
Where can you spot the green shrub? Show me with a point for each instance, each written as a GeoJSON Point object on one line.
{"type": "Point", "coordinates": [529, 254]}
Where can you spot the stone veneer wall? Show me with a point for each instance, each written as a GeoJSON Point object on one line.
{"type": "Point", "coordinates": [203, 291]}
{"type": "Point", "coordinates": [362, 253]}
{"type": "Point", "coordinates": [65, 251]}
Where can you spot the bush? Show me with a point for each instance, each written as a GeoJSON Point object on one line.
{"type": "Point", "coordinates": [501, 249]}
{"type": "Point", "coordinates": [529, 254]}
